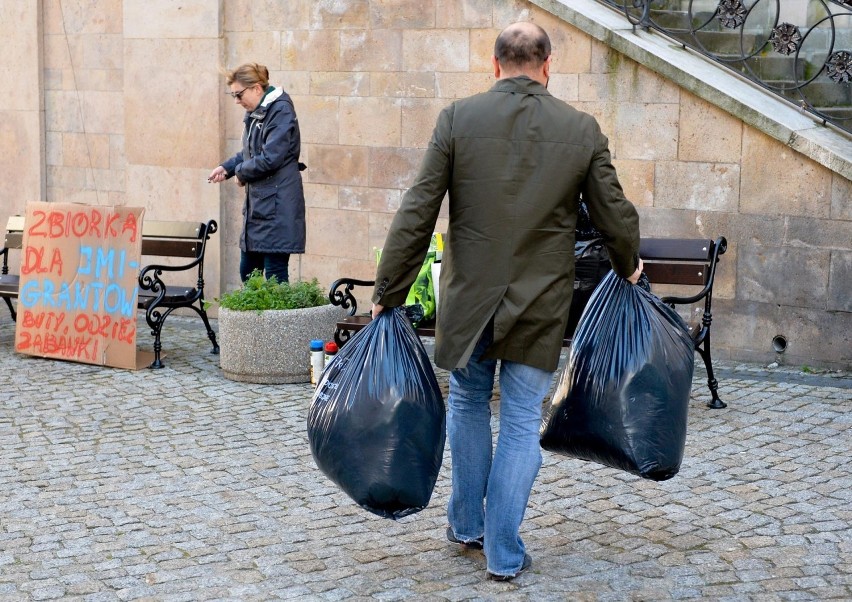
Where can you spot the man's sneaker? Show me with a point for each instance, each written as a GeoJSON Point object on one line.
{"type": "Point", "coordinates": [476, 544]}
{"type": "Point", "coordinates": [527, 564]}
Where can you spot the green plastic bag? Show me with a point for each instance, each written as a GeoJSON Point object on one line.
{"type": "Point", "coordinates": [422, 291]}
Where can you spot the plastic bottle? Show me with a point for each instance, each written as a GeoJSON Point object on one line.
{"type": "Point", "coordinates": [330, 351]}
{"type": "Point", "coordinates": [317, 360]}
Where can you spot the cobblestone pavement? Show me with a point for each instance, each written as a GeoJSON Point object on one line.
{"type": "Point", "coordinates": [178, 484]}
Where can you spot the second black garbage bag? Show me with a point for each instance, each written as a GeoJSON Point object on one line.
{"type": "Point", "coordinates": [376, 424]}
{"type": "Point", "coordinates": [623, 396]}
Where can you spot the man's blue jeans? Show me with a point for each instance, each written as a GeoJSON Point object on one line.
{"type": "Point", "coordinates": [491, 490]}
{"type": "Point", "coordinates": [271, 264]}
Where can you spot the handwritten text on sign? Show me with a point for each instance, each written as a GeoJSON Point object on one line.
{"type": "Point", "coordinates": [78, 291]}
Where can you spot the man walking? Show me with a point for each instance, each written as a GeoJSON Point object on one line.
{"type": "Point", "coordinates": [514, 161]}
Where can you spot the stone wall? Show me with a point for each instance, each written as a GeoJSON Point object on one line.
{"type": "Point", "coordinates": [122, 102]}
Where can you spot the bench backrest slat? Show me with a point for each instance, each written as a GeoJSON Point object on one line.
{"type": "Point", "coordinates": [161, 229]}
{"type": "Point", "coordinates": [167, 239]}
{"type": "Point", "coordinates": [170, 248]}
{"type": "Point", "coordinates": [676, 273]}
{"type": "Point", "coordinates": [682, 249]}
{"type": "Point", "coordinates": [14, 240]}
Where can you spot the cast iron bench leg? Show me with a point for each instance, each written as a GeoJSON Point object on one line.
{"type": "Point", "coordinates": [704, 349]}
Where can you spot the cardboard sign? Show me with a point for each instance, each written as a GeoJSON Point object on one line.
{"type": "Point", "coordinates": [78, 291]}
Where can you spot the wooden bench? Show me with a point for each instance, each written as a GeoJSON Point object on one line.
{"type": "Point", "coordinates": [160, 239]}
{"type": "Point", "coordinates": [673, 261]}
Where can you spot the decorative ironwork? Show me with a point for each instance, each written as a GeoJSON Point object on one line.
{"type": "Point", "coordinates": [806, 61]}
{"type": "Point", "coordinates": [785, 39]}
{"type": "Point", "coordinates": [731, 13]}
{"type": "Point", "coordinates": [839, 67]}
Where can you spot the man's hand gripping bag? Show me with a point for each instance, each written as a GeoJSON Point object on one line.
{"type": "Point", "coordinates": [623, 396]}
{"type": "Point", "coordinates": [376, 424]}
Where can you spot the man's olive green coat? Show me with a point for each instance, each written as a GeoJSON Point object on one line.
{"type": "Point", "coordinates": [514, 161]}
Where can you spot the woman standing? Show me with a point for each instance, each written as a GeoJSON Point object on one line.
{"type": "Point", "coordinates": [268, 167]}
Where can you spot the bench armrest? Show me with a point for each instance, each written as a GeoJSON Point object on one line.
{"type": "Point", "coordinates": [719, 247]}
{"type": "Point", "coordinates": [5, 253]}
{"type": "Point", "coordinates": [344, 298]}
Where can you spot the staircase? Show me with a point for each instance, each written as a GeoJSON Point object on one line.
{"type": "Point", "coordinates": [801, 51]}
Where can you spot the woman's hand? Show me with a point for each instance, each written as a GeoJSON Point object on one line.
{"type": "Point", "coordinates": [217, 175]}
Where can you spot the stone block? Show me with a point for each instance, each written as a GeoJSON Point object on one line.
{"type": "Point", "coordinates": [108, 180]}
{"type": "Point", "coordinates": [79, 150]}
{"type": "Point", "coordinates": [262, 47]}
{"type": "Point", "coordinates": [343, 165]}
{"type": "Point", "coordinates": [841, 198]}
{"type": "Point", "coordinates": [379, 226]}
{"type": "Point", "coordinates": [97, 51]}
{"type": "Point", "coordinates": [445, 50]}
{"type": "Point", "coordinates": [310, 50]}
{"type": "Point", "coordinates": [462, 85]}
{"type": "Point", "coordinates": [464, 14]}
{"type": "Point", "coordinates": [418, 120]}
{"type": "Point", "coordinates": [703, 186]}
{"type": "Point", "coordinates": [507, 12]}
{"type": "Point", "coordinates": [321, 195]}
{"type": "Point", "coordinates": [637, 181]}
{"type": "Point", "coordinates": [648, 132]}
{"type": "Point", "coordinates": [318, 121]}
{"type": "Point", "coordinates": [351, 230]}
{"type": "Point", "coordinates": [604, 59]}
{"type": "Point", "coordinates": [605, 113]}
{"type": "Point", "coordinates": [370, 121]}
{"type": "Point", "coordinates": [57, 54]}
{"type": "Point", "coordinates": [360, 269]}
{"type": "Point", "coordinates": [840, 283]}
{"type": "Point", "coordinates": [402, 14]}
{"type": "Point", "coordinates": [482, 49]}
{"type": "Point", "coordinates": [378, 200]}
{"type": "Point", "coordinates": [565, 86]}
{"type": "Point", "coordinates": [62, 111]}
{"type": "Point", "coordinates": [340, 14]}
{"type": "Point", "coordinates": [814, 337]}
{"type": "Point", "coordinates": [53, 148]}
{"type": "Point", "coordinates": [746, 326]}
{"type": "Point", "coordinates": [274, 15]}
{"type": "Point", "coordinates": [103, 112]}
{"type": "Point", "coordinates": [571, 48]}
{"type": "Point", "coordinates": [175, 20]}
{"type": "Point", "coordinates": [340, 83]}
{"type": "Point", "coordinates": [97, 80]}
{"type": "Point", "coordinates": [394, 167]}
{"type": "Point", "coordinates": [237, 14]}
{"type": "Point", "coordinates": [783, 275]}
{"type": "Point", "coordinates": [23, 172]}
{"type": "Point", "coordinates": [778, 180]}
{"type": "Point", "coordinates": [293, 82]}
{"type": "Point", "coordinates": [117, 159]}
{"type": "Point", "coordinates": [175, 193]}
{"type": "Point", "coordinates": [708, 134]}
{"type": "Point", "coordinates": [402, 85]}
{"type": "Point", "coordinates": [364, 50]}
{"type": "Point", "coordinates": [630, 84]}
{"type": "Point", "coordinates": [189, 133]}
{"type": "Point", "coordinates": [817, 233]}
{"type": "Point", "coordinates": [74, 18]}
{"type": "Point", "coordinates": [20, 66]}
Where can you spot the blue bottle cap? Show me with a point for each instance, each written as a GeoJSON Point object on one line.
{"type": "Point", "coordinates": [316, 345]}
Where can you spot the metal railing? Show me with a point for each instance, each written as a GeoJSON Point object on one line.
{"type": "Point", "coordinates": [800, 50]}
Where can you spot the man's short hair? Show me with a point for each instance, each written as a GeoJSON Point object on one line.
{"type": "Point", "coordinates": [527, 45]}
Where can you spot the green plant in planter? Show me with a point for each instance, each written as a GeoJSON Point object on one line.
{"type": "Point", "coordinates": [259, 293]}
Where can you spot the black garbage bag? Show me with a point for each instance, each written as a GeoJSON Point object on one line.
{"type": "Point", "coordinates": [591, 264]}
{"type": "Point", "coordinates": [376, 424]}
{"type": "Point", "coordinates": [623, 396]}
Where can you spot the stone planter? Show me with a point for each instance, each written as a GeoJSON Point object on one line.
{"type": "Point", "coordinates": [272, 346]}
